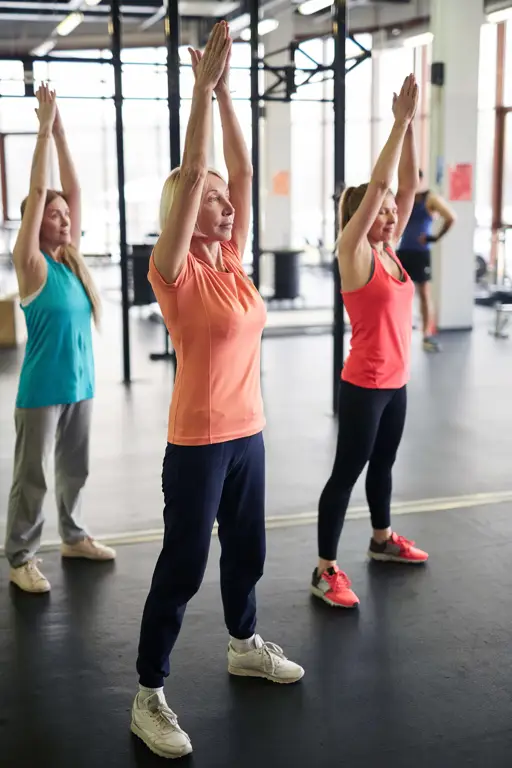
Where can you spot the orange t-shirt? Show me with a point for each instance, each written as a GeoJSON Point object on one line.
{"type": "Point", "coordinates": [215, 320]}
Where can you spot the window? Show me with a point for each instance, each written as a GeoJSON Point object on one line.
{"type": "Point", "coordinates": [486, 125]}
{"type": "Point", "coordinates": [147, 164]}
{"type": "Point", "coordinates": [313, 138]}
{"type": "Point", "coordinates": [508, 65]}
{"type": "Point", "coordinates": [11, 78]}
{"type": "Point", "coordinates": [487, 67]}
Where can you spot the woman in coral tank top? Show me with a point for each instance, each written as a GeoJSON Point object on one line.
{"type": "Point", "coordinates": [214, 465]}
{"type": "Point", "coordinates": [378, 296]}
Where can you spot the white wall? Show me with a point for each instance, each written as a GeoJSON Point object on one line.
{"type": "Point", "coordinates": [453, 138]}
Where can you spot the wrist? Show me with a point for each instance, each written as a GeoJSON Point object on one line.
{"type": "Point", "coordinates": [403, 123]}
{"type": "Point", "coordinates": [222, 91]}
{"type": "Point", "coordinates": [203, 88]}
{"type": "Point", "coordinates": [45, 132]}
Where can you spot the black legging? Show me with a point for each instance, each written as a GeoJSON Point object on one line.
{"type": "Point", "coordinates": [371, 423]}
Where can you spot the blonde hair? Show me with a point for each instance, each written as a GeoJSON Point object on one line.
{"type": "Point", "coordinates": [74, 260]}
{"type": "Point", "coordinates": [169, 192]}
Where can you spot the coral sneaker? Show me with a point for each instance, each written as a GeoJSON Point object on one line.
{"type": "Point", "coordinates": [333, 587]}
{"type": "Point", "coordinates": [397, 549]}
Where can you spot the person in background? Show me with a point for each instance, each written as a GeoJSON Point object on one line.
{"type": "Point", "coordinates": [414, 254]}
{"type": "Point", "coordinates": [214, 464]}
{"type": "Point", "coordinates": [378, 296]}
{"type": "Point", "coordinates": [56, 385]}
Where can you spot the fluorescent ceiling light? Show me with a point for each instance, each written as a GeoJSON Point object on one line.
{"type": "Point", "coordinates": [205, 8]}
{"type": "Point", "coordinates": [498, 16]}
{"type": "Point", "coordinates": [92, 3]}
{"type": "Point", "coordinates": [70, 23]}
{"type": "Point", "coordinates": [44, 48]}
{"type": "Point", "coordinates": [312, 6]}
{"type": "Point", "coordinates": [241, 22]}
{"type": "Point", "coordinates": [264, 27]}
{"type": "Point", "coordinates": [267, 25]}
{"type": "Point", "coordinates": [423, 39]}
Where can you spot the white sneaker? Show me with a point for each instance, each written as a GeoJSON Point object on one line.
{"type": "Point", "coordinates": [89, 549]}
{"type": "Point", "coordinates": [266, 660]}
{"type": "Point", "coordinates": [157, 725]}
{"type": "Point", "coordinates": [29, 578]}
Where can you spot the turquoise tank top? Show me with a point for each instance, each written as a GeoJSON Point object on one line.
{"type": "Point", "coordinates": [58, 368]}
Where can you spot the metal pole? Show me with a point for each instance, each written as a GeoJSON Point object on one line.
{"type": "Point", "coordinates": [172, 34]}
{"type": "Point", "coordinates": [339, 15]}
{"type": "Point", "coordinates": [172, 37]}
{"type": "Point", "coordinates": [118, 101]}
{"type": "Point", "coordinates": [255, 111]}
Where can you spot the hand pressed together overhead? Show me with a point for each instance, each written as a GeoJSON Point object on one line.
{"type": "Point", "coordinates": [211, 68]}
{"type": "Point", "coordinates": [406, 103]}
{"type": "Point", "coordinates": [47, 109]}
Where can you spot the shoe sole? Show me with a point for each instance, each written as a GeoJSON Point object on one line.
{"type": "Point", "coordinates": [140, 735]}
{"type": "Point", "coordinates": [393, 559]}
{"type": "Point", "coordinates": [237, 672]}
{"type": "Point", "coordinates": [73, 556]}
{"type": "Point", "coordinates": [31, 591]}
{"type": "Point", "coordinates": [318, 593]}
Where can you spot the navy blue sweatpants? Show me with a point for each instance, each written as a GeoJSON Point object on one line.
{"type": "Point", "coordinates": [200, 483]}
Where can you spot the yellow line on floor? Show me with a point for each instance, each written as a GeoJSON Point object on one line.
{"type": "Point", "coordinates": [416, 507]}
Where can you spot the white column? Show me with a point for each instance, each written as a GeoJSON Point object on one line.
{"type": "Point", "coordinates": [456, 27]}
{"type": "Point", "coordinates": [276, 146]}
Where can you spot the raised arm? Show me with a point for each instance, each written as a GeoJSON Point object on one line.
{"type": "Point", "coordinates": [353, 241]}
{"type": "Point", "coordinates": [173, 245]}
{"type": "Point", "coordinates": [236, 155]}
{"type": "Point", "coordinates": [27, 257]}
{"type": "Point", "coordinates": [238, 161]}
{"type": "Point", "coordinates": [408, 179]}
{"type": "Point", "coordinates": [68, 180]}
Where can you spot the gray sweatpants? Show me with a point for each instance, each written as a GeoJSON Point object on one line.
{"type": "Point", "coordinates": [36, 431]}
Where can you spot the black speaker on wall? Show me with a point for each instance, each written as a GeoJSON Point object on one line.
{"type": "Point", "coordinates": [437, 73]}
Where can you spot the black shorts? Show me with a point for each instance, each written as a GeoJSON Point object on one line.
{"type": "Point", "coordinates": [417, 265]}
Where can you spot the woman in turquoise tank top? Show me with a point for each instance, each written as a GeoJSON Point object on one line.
{"type": "Point", "coordinates": [57, 378]}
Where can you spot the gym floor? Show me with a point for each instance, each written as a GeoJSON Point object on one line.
{"type": "Point", "coordinates": [420, 673]}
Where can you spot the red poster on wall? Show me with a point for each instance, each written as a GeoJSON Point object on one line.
{"type": "Point", "coordinates": [461, 182]}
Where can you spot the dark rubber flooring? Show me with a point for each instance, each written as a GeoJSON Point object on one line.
{"type": "Point", "coordinates": [419, 676]}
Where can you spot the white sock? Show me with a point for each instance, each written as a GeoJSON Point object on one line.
{"type": "Point", "coordinates": [145, 693]}
{"type": "Point", "coordinates": [244, 646]}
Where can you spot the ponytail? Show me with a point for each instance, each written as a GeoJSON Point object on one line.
{"type": "Point", "coordinates": [350, 201]}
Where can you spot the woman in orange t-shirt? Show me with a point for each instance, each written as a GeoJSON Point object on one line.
{"type": "Point", "coordinates": [378, 296]}
{"type": "Point", "coordinates": [214, 465]}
